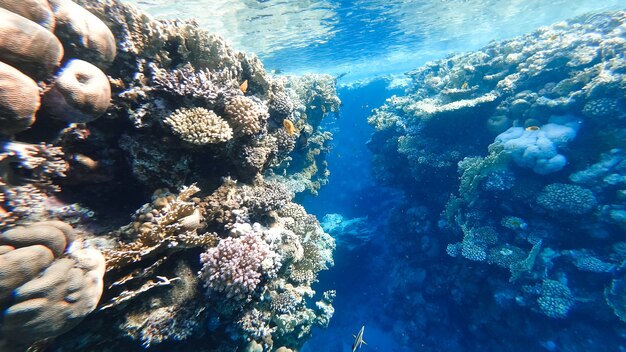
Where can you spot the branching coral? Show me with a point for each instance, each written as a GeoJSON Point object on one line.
{"type": "Point", "coordinates": [167, 223]}
{"type": "Point", "coordinates": [247, 115]}
{"type": "Point", "coordinates": [236, 266]}
{"type": "Point", "coordinates": [208, 86]}
{"type": "Point", "coordinates": [199, 126]}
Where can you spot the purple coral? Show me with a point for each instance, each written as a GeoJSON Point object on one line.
{"type": "Point", "coordinates": [237, 265]}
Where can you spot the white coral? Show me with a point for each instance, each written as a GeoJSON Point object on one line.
{"type": "Point", "coordinates": [199, 126]}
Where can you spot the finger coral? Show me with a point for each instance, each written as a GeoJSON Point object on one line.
{"type": "Point", "coordinates": [248, 116]}
{"type": "Point", "coordinates": [199, 126]}
{"type": "Point", "coordinates": [237, 265]}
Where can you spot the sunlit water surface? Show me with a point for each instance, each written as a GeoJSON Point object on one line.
{"type": "Point", "coordinates": [364, 38]}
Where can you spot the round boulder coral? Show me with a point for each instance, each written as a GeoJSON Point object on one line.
{"type": "Point", "coordinates": [27, 45]}
{"type": "Point", "coordinates": [45, 291]}
{"type": "Point", "coordinates": [81, 93]}
{"type": "Point", "coordinates": [83, 34]}
{"type": "Point", "coordinates": [37, 11]}
{"type": "Point", "coordinates": [19, 100]}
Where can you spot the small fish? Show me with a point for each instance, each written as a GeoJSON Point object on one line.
{"type": "Point", "coordinates": [313, 107]}
{"type": "Point", "coordinates": [324, 109]}
{"type": "Point", "coordinates": [532, 128]}
{"type": "Point", "coordinates": [244, 86]}
{"type": "Point", "coordinates": [464, 86]}
{"type": "Point", "coordinates": [302, 141]}
{"type": "Point", "coordinates": [358, 339]}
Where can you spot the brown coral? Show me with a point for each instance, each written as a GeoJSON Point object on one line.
{"type": "Point", "coordinates": [84, 35]}
{"type": "Point", "coordinates": [248, 115]}
{"type": "Point", "coordinates": [81, 93]}
{"type": "Point", "coordinates": [49, 292]}
{"type": "Point", "coordinates": [19, 100]}
{"type": "Point", "coordinates": [37, 11]}
{"type": "Point", "coordinates": [199, 126]}
{"type": "Point", "coordinates": [25, 44]}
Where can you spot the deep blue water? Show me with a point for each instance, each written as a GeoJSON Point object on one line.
{"type": "Point", "coordinates": [358, 275]}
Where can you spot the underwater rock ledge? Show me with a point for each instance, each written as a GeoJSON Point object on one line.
{"type": "Point", "coordinates": [173, 160]}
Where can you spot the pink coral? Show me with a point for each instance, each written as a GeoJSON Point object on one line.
{"type": "Point", "coordinates": [237, 265]}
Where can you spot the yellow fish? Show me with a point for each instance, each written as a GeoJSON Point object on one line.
{"type": "Point", "coordinates": [532, 128]}
{"type": "Point", "coordinates": [289, 127]}
{"type": "Point", "coordinates": [244, 86]}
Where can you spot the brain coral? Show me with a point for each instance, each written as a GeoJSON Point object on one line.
{"type": "Point", "coordinates": [19, 100]}
{"type": "Point", "coordinates": [81, 93]}
{"type": "Point", "coordinates": [566, 198]}
{"type": "Point", "coordinates": [84, 35]}
{"type": "Point", "coordinates": [199, 126]}
{"type": "Point", "coordinates": [26, 44]}
{"type": "Point", "coordinates": [44, 292]}
{"type": "Point", "coordinates": [37, 11]}
{"type": "Point", "coordinates": [247, 114]}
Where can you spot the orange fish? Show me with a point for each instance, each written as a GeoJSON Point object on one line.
{"type": "Point", "coordinates": [289, 127]}
{"type": "Point", "coordinates": [244, 86]}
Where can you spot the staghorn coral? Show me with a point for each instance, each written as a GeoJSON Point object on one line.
{"type": "Point", "coordinates": [154, 165]}
{"type": "Point", "coordinates": [199, 126]}
{"type": "Point", "coordinates": [166, 224]}
{"type": "Point", "coordinates": [212, 88]}
{"type": "Point", "coordinates": [247, 115]}
{"type": "Point", "coordinates": [265, 196]}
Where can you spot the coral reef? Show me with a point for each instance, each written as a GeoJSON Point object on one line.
{"type": "Point", "coordinates": [517, 150]}
{"type": "Point", "coordinates": [107, 112]}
